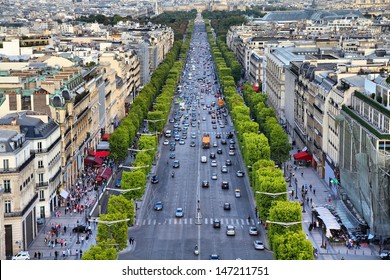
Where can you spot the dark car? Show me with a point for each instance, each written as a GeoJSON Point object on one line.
{"type": "Point", "coordinates": [82, 229]}
{"type": "Point", "coordinates": [219, 151]}
{"type": "Point", "coordinates": [228, 162]}
{"type": "Point", "coordinates": [226, 206]}
{"type": "Point", "coordinates": [223, 141]}
{"type": "Point", "coordinates": [205, 184]}
{"type": "Point", "coordinates": [385, 255]}
{"type": "Point", "coordinates": [172, 148]}
{"type": "Point", "coordinates": [172, 155]}
{"type": "Point", "coordinates": [158, 206]}
{"type": "Point", "coordinates": [176, 164]}
{"type": "Point", "coordinates": [118, 183]}
{"type": "Point", "coordinates": [216, 223]}
{"type": "Point", "coordinates": [154, 179]}
{"type": "Point", "coordinates": [225, 185]}
{"type": "Point", "coordinates": [212, 155]}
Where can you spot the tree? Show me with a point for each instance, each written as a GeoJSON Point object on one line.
{"type": "Point", "coordinates": [101, 251]}
{"type": "Point", "coordinates": [119, 143]}
{"type": "Point", "coordinates": [132, 180]}
{"type": "Point", "coordinates": [293, 246]}
{"type": "Point", "coordinates": [119, 204]}
{"type": "Point", "coordinates": [117, 231]}
{"type": "Point", "coordinates": [280, 147]}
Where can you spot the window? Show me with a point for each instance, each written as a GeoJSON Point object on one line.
{"type": "Point", "coordinates": [39, 147]}
{"type": "Point", "coordinates": [41, 195]}
{"type": "Point", "coordinates": [40, 178]}
{"type": "Point", "coordinates": [40, 164]}
{"type": "Point", "coordinates": [7, 206]}
{"type": "Point", "coordinates": [7, 186]}
{"type": "Point", "coordinates": [5, 164]}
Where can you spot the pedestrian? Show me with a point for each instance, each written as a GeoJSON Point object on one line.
{"type": "Point", "coordinates": [302, 174]}
{"type": "Point", "coordinates": [310, 187]}
{"type": "Point", "coordinates": [249, 218]}
{"type": "Point", "coordinates": [81, 253]}
{"type": "Point", "coordinates": [314, 191]}
{"type": "Point", "coordinates": [55, 255]}
{"type": "Point", "coordinates": [39, 255]}
{"type": "Point", "coordinates": [307, 200]}
{"type": "Point", "coordinates": [69, 253]}
{"type": "Point", "coordinates": [63, 254]}
{"type": "Point", "coordinates": [35, 255]}
{"type": "Point", "coordinates": [292, 193]}
{"type": "Point", "coordinates": [311, 201]}
{"type": "Point", "coordinates": [64, 229]}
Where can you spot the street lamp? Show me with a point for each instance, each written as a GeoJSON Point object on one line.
{"type": "Point", "coordinates": [78, 233]}
{"type": "Point", "coordinates": [286, 224]}
{"type": "Point", "coordinates": [123, 190]}
{"type": "Point", "coordinates": [110, 223]}
{"type": "Point", "coordinates": [133, 167]}
{"type": "Point", "coordinates": [273, 195]}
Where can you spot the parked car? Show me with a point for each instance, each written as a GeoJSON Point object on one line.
{"type": "Point", "coordinates": [22, 255]}
{"type": "Point", "coordinates": [82, 229]}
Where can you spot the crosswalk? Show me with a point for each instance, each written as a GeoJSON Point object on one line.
{"type": "Point", "coordinates": [191, 221]}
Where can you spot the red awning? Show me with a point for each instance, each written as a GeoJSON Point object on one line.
{"type": "Point", "coordinates": [106, 137]}
{"type": "Point", "coordinates": [303, 156]}
{"type": "Point", "coordinates": [102, 153]}
{"type": "Point", "coordinates": [93, 159]}
{"type": "Point", "coordinates": [91, 153]}
{"type": "Point", "coordinates": [105, 173]}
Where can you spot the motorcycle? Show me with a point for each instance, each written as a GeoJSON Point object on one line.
{"type": "Point", "coordinates": [173, 174]}
{"type": "Point", "coordinates": [196, 251]}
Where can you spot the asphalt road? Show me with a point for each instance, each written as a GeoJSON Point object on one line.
{"type": "Point", "coordinates": [159, 235]}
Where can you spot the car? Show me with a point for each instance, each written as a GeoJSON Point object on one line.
{"type": "Point", "coordinates": [225, 185]}
{"type": "Point", "coordinates": [172, 148]}
{"type": "Point", "coordinates": [22, 255]}
{"type": "Point", "coordinates": [182, 142]}
{"type": "Point", "coordinates": [223, 141]}
{"type": "Point", "coordinates": [214, 257]}
{"type": "Point", "coordinates": [214, 126]}
{"type": "Point", "coordinates": [232, 147]}
{"type": "Point", "coordinates": [179, 212]}
{"type": "Point", "coordinates": [224, 169]}
{"type": "Point", "coordinates": [158, 206]}
{"type": "Point", "coordinates": [193, 135]}
{"type": "Point", "coordinates": [176, 163]}
{"type": "Point", "coordinates": [192, 143]}
{"type": "Point", "coordinates": [205, 184]}
{"type": "Point", "coordinates": [240, 173]}
{"type": "Point", "coordinates": [40, 221]}
{"type": "Point", "coordinates": [219, 151]}
{"type": "Point", "coordinates": [253, 231]}
{"type": "Point", "coordinates": [385, 255]}
{"type": "Point", "coordinates": [154, 179]}
{"type": "Point", "coordinates": [232, 142]}
{"type": "Point", "coordinates": [218, 135]}
{"type": "Point", "coordinates": [172, 155]}
{"type": "Point", "coordinates": [204, 118]}
{"type": "Point", "coordinates": [228, 162]}
{"type": "Point", "coordinates": [216, 223]}
{"type": "Point", "coordinates": [118, 183]}
{"type": "Point", "coordinates": [214, 176]}
{"type": "Point", "coordinates": [230, 230]}
{"type": "Point", "coordinates": [232, 153]}
{"type": "Point", "coordinates": [166, 142]}
{"type": "Point", "coordinates": [237, 193]}
{"type": "Point", "coordinates": [226, 206]}
{"type": "Point", "coordinates": [214, 163]}
{"type": "Point", "coordinates": [215, 144]}
{"type": "Point", "coordinates": [177, 137]}
{"type": "Point", "coordinates": [259, 245]}
{"type": "Point", "coordinates": [212, 155]}
{"type": "Point", "coordinates": [82, 229]}
{"type": "Point", "coordinates": [222, 126]}
{"type": "Point", "coordinates": [203, 159]}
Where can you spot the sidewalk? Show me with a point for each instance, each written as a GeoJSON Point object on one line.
{"type": "Point", "coordinates": [320, 195]}
{"type": "Point", "coordinates": [70, 244]}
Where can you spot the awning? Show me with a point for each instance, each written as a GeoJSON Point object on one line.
{"type": "Point", "coordinates": [93, 160]}
{"type": "Point", "coordinates": [303, 156]}
{"type": "Point", "coordinates": [80, 90]}
{"type": "Point", "coordinates": [328, 218]}
{"type": "Point", "coordinates": [106, 137]}
{"type": "Point", "coordinates": [64, 194]}
{"type": "Point", "coordinates": [91, 153]}
{"type": "Point", "coordinates": [102, 153]}
{"type": "Point", "coordinates": [105, 173]}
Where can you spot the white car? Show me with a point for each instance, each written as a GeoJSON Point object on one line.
{"type": "Point", "coordinates": [240, 173]}
{"type": "Point", "coordinates": [259, 245]}
{"type": "Point", "coordinates": [214, 163]}
{"type": "Point", "coordinates": [237, 193]}
{"type": "Point", "coordinates": [232, 153]}
{"type": "Point", "coordinates": [203, 159]}
{"type": "Point", "coordinates": [224, 169]}
{"type": "Point", "coordinates": [22, 255]}
{"type": "Point", "coordinates": [179, 212]}
{"type": "Point", "coordinates": [230, 230]}
{"type": "Point", "coordinates": [166, 142]}
{"type": "Point", "coordinates": [214, 176]}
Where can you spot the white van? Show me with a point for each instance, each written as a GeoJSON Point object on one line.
{"type": "Point", "coordinates": [203, 159]}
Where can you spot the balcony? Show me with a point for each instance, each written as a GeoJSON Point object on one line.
{"type": "Point", "coordinates": [41, 184]}
{"type": "Point", "coordinates": [20, 168]}
{"type": "Point", "coordinates": [25, 209]}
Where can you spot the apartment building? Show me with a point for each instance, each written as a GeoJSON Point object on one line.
{"type": "Point", "coordinates": [44, 137]}
{"type": "Point", "coordinates": [19, 196]}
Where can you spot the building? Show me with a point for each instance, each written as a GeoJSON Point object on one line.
{"type": "Point", "coordinates": [19, 196]}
